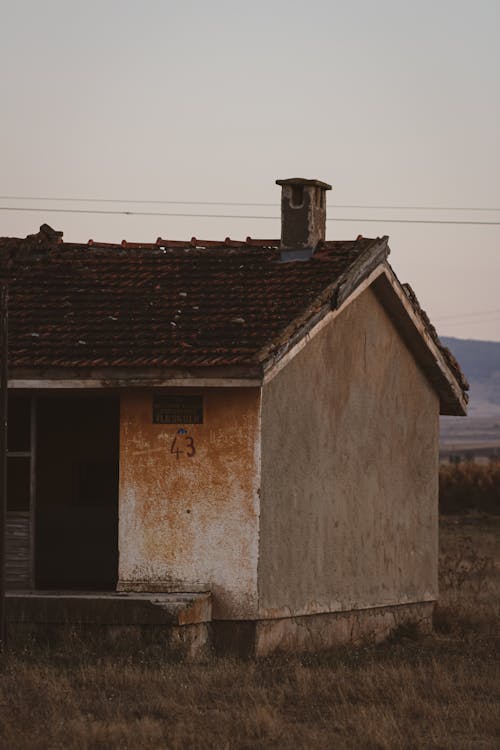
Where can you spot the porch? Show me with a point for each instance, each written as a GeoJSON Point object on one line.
{"type": "Point", "coordinates": [108, 608]}
{"type": "Point", "coordinates": [179, 622]}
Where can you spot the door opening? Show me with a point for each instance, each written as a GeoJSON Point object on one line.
{"type": "Point", "coordinates": [76, 516]}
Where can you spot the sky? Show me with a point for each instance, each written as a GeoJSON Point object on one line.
{"type": "Point", "coordinates": [172, 107]}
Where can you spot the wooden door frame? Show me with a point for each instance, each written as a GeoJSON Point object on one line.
{"type": "Point", "coordinates": [31, 455]}
{"type": "Point", "coordinates": [32, 508]}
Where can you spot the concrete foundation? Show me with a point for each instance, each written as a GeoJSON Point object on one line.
{"type": "Point", "coordinates": [181, 626]}
{"type": "Point", "coordinates": [319, 632]}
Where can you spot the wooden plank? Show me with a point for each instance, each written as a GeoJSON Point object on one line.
{"type": "Point", "coordinates": [17, 550]}
{"type": "Point", "coordinates": [32, 514]}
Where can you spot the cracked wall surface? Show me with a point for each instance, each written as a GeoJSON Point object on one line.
{"type": "Point", "coordinates": [189, 500]}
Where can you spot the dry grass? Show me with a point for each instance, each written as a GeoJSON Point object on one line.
{"type": "Point", "coordinates": [469, 486]}
{"type": "Point", "coordinates": [441, 691]}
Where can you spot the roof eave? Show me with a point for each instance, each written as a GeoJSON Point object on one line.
{"type": "Point", "coordinates": [40, 378]}
{"type": "Point", "coordinates": [413, 330]}
{"type": "Point", "coordinates": [333, 297]}
{"type": "Point", "coordinates": [372, 270]}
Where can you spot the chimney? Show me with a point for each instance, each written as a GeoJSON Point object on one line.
{"type": "Point", "coordinates": [303, 217]}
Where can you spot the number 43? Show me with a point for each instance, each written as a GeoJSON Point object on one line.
{"type": "Point", "coordinates": [189, 443]}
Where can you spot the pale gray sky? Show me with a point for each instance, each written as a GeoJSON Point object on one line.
{"type": "Point", "coordinates": [395, 102]}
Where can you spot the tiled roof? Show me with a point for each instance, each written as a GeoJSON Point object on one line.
{"type": "Point", "coordinates": [164, 304]}
{"type": "Point", "coordinates": [172, 304]}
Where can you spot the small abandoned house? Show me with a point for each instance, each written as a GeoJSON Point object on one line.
{"type": "Point", "coordinates": [238, 440]}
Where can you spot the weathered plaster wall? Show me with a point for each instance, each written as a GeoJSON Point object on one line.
{"type": "Point", "coordinates": [349, 473]}
{"type": "Point", "coordinates": [188, 522]}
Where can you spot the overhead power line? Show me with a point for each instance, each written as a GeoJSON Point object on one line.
{"type": "Point", "coordinates": [238, 203]}
{"type": "Point", "coordinates": [134, 201]}
{"type": "Point", "coordinates": [455, 323]}
{"type": "Point", "coordinates": [357, 219]}
{"type": "Point", "coordinates": [468, 315]}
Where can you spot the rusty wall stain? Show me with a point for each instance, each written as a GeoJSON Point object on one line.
{"type": "Point", "coordinates": [189, 504]}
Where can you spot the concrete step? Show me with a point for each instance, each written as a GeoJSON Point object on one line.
{"type": "Point", "coordinates": [109, 608]}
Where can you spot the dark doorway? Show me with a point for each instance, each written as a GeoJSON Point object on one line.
{"type": "Point", "coordinates": [77, 458]}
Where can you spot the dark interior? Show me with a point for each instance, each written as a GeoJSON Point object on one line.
{"type": "Point", "coordinates": [76, 545]}
{"type": "Point", "coordinates": [19, 448]}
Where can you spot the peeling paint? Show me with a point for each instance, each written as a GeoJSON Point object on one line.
{"type": "Point", "coordinates": [189, 502]}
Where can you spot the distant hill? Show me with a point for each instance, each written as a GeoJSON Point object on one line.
{"type": "Point", "coordinates": [480, 361]}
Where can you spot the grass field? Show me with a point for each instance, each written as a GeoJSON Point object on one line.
{"type": "Point", "coordinates": [468, 487]}
{"type": "Point", "coordinates": [438, 691]}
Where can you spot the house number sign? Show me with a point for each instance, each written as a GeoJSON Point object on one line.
{"type": "Point", "coordinates": [177, 409]}
{"type": "Point", "coordinates": [183, 444]}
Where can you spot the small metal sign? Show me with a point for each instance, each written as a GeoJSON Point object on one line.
{"type": "Point", "coordinates": [177, 409]}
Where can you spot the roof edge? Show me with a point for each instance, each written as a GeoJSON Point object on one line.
{"type": "Point", "coordinates": [304, 181]}
{"type": "Point", "coordinates": [331, 298]}
{"type": "Point", "coordinates": [414, 328]}
{"type": "Point", "coordinates": [223, 376]}
{"type": "Point", "coordinates": [372, 270]}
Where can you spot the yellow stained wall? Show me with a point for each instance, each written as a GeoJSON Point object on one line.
{"type": "Point", "coordinates": [191, 521]}
{"type": "Point", "coordinates": [349, 472]}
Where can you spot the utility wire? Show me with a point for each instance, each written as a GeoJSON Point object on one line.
{"type": "Point", "coordinates": [234, 203]}
{"type": "Point", "coordinates": [237, 216]}
{"type": "Point", "coordinates": [467, 315]}
{"type": "Point", "coordinates": [124, 200]}
{"type": "Point", "coordinates": [467, 322]}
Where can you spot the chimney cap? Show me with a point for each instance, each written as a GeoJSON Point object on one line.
{"type": "Point", "coordinates": [303, 181]}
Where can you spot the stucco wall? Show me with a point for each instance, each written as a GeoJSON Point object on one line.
{"type": "Point", "coordinates": [349, 472]}
{"type": "Point", "coordinates": [191, 521]}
